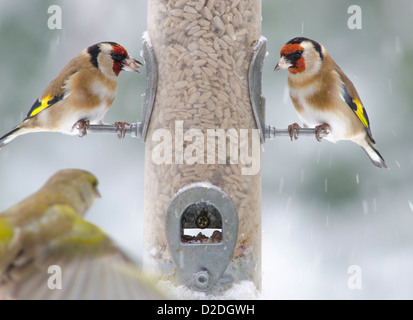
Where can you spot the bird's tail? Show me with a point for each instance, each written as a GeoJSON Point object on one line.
{"type": "Point", "coordinates": [11, 135]}
{"type": "Point", "coordinates": [374, 155]}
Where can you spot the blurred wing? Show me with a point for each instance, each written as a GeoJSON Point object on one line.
{"type": "Point", "coordinates": [10, 248]}
{"type": "Point", "coordinates": [351, 97]}
{"type": "Point", "coordinates": [87, 279]}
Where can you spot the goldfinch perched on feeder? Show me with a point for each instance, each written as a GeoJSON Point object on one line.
{"type": "Point", "coordinates": [324, 97]}
{"type": "Point", "coordinates": [80, 95]}
{"type": "Point", "coordinates": [48, 251]}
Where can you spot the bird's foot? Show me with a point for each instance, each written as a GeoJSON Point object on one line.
{"type": "Point", "coordinates": [293, 130]}
{"type": "Point", "coordinates": [121, 127]}
{"type": "Point", "coordinates": [322, 128]}
{"type": "Point", "coordinates": [82, 126]}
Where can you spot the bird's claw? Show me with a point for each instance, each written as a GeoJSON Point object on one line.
{"type": "Point", "coordinates": [293, 130]}
{"type": "Point", "coordinates": [82, 126]}
{"type": "Point", "coordinates": [321, 128]}
{"type": "Point", "coordinates": [121, 127]}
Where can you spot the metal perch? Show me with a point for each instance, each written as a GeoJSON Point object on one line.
{"type": "Point", "coordinates": [135, 130]}
{"type": "Point", "coordinates": [271, 133]}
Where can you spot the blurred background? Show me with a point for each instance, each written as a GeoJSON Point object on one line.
{"type": "Point", "coordinates": [325, 206]}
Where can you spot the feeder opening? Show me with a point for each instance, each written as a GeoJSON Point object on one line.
{"type": "Point", "coordinates": [201, 222]}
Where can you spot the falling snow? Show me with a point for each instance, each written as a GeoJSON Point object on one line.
{"type": "Point", "coordinates": [281, 186]}
{"type": "Point", "coordinates": [365, 207]}
{"type": "Point", "coordinates": [411, 205]}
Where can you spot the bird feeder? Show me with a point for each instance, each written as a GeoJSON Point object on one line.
{"type": "Point", "coordinates": [202, 224]}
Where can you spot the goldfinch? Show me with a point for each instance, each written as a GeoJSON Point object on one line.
{"type": "Point", "coordinates": [324, 97]}
{"type": "Point", "coordinates": [48, 251]}
{"type": "Point", "coordinates": [80, 95]}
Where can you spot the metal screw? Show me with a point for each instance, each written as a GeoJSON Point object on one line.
{"type": "Point", "coordinates": [201, 280]}
{"type": "Point", "coordinates": [202, 221]}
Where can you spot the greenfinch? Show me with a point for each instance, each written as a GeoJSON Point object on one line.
{"type": "Point", "coordinates": [48, 251]}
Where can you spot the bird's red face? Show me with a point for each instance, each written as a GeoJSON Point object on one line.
{"type": "Point", "coordinates": [291, 58]}
{"type": "Point", "coordinates": [122, 60]}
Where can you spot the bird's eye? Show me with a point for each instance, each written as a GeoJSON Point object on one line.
{"type": "Point", "coordinates": [117, 56]}
{"type": "Point", "coordinates": [294, 56]}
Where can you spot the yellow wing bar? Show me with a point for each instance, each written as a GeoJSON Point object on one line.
{"type": "Point", "coordinates": [40, 105]}
{"type": "Point", "coordinates": [360, 112]}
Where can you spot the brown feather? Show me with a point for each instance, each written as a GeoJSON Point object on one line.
{"type": "Point", "coordinates": [56, 87]}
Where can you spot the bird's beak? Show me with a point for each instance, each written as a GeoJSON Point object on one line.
{"type": "Point", "coordinates": [283, 64]}
{"type": "Point", "coordinates": [97, 194]}
{"type": "Point", "coordinates": [131, 64]}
